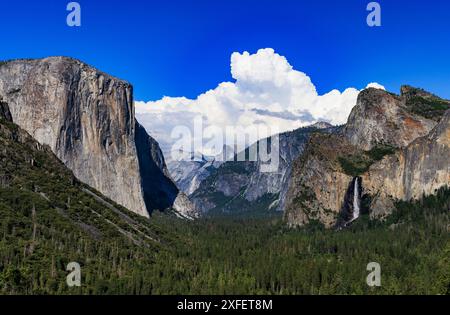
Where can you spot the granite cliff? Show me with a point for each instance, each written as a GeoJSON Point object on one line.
{"type": "Point", "coordinates": [87, 119]}
{"type": "Point", "coordinates": [382, 117]}
{"type": "Point", "coordinates": [394, 147]}
{"type": "Point", "coordinates": [418, 170]}
{"type": "Point", "coordinates": [190, 170]}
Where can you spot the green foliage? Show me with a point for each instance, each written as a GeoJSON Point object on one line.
{"type": "Point", "coordinates": [431, 108]}
{"type": "Point", "coordinates": [241, 207]}
{"type": "Point", "coordinates": [302, 201]}
{"type": "Point", "coordinates": [49, 219]}
{"type": "Point", "coordinates": [357, 164]}
{"type": "Point", "coordinates": [262, 256]}
{"type": "Point", "coordinates": [380, 151]}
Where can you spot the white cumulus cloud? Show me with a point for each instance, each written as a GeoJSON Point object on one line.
{"type": "Point", "coordinates": [267, 90]}
{"type": "Point", "coordinates": [375, 86]}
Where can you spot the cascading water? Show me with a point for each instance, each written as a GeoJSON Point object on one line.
{"type": "Point", "coordinates": [356, 206]}
{"type": "Point", "coordinates": [351, 207]}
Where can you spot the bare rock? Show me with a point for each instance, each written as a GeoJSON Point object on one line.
{"type": "Point", "coordinates": [418, 170]}
{"type": "Point", "coordinates": [318, 184]}
{"type": "Point", "coordinates": [382, 117]}
{"type": "Point", "coordinates": [87, 118]}
{"type": "Point", "coordinates": [414, 126]}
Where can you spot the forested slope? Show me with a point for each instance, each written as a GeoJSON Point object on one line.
{"type": "Point", "coordinates": [49, 219]}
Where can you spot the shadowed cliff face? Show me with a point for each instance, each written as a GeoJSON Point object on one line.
{"type": "Point", "coordinates": [397, 145]}
{"type": "Point", "coordinates": [4, 111]}
{"type": "Point", "coordinates": [5, 114]}
{"type": "Point", "coordinates": [87, 119]}
{"type": "Point", "coordinates": [159, 191]}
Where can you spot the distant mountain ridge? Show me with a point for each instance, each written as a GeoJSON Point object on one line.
{"type": "Point", "coordinates": [236, 186]}
{"type": "Point", "coordinates": [189, 169]}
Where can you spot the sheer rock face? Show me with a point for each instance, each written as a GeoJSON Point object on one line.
{"type": "Point", "coordinates": [191, 170]}
{"type": "Point", "coordinates": [318, 184]}
{"type": "Point", "coordinates": [419, 166]}
{"type": "Point", "coordinates": [381, 117]}
{"type": "Point", "coordinates": [158, 189]}
{"type": "Point", "coordinates": [87, 119]}
{"type": "Point", "coordinates": [417, 170]}
{"type": "Point", "coordinates": [4, 111]}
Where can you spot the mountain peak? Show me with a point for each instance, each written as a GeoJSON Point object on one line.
{"type": "Point", "coordinates": [322, 125]}
{"type": "Point", "coordinates": [64, 65]}
{"type": "Point", "coordinates": [373, 95]}
{"type": "Point", "coordinates": [381, 117]}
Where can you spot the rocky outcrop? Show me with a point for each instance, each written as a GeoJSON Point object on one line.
{"type": "Point", "coordinates": [382, 117]}
{"type": "Point", "coordinates": [424, 103]}
{"type": "Point", "coordinates": [87, 119]}
{"type": "Point", "coordinates": [396, 145]}
{"type": "Point", "coordinates": [318, 183]}
{"type": "Point", "coordinates": [418, 170]}
{"type": "Point", "coordinates": [190, 170]}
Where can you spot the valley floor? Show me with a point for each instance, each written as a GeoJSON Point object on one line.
{"type": "Point", "coordinates": [238, 256]}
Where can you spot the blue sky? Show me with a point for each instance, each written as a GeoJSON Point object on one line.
{"type": "Point", "coordinates": [183, 48]}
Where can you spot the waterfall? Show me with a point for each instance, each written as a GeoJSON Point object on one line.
{"type": "Point", "coordinates": [356, 208]}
